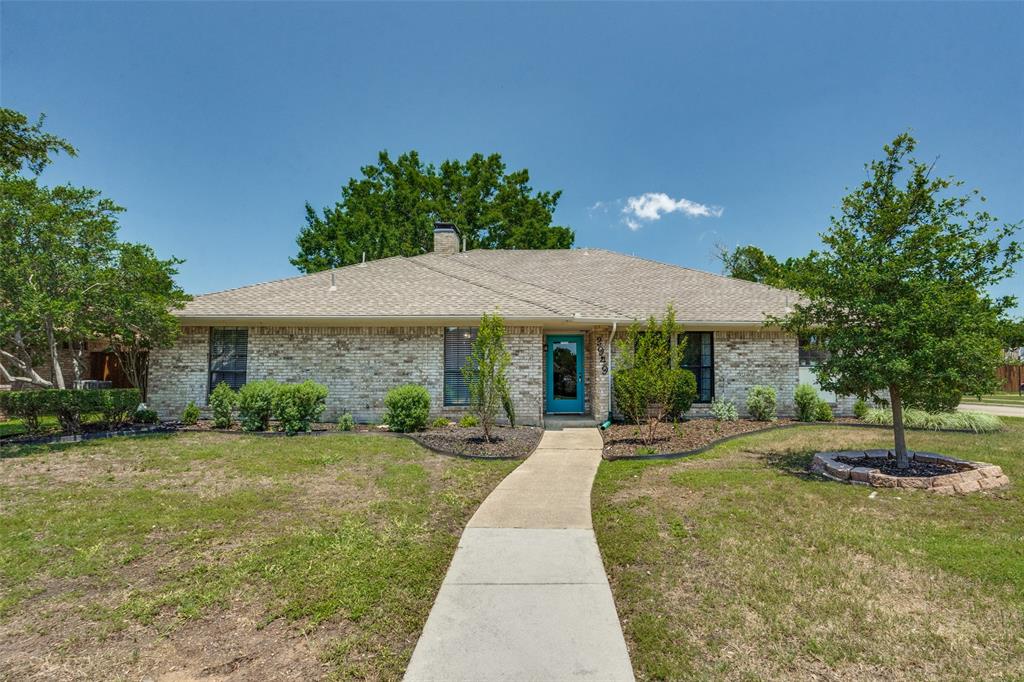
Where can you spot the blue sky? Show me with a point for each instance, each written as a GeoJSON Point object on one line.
{"type": "Point", "coordinates": [214, 123]}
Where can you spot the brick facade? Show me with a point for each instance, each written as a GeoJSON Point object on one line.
{"type": "Point", "coordinates": [360, 364]}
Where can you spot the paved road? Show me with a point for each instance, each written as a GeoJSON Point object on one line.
{"type": "Point", "coordinates": [526, 596]}
{"type": "Point", "coordinates": [1001, 410]}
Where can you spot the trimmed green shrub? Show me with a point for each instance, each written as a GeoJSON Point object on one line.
{"type": "Point", "coordinates": [144, 415]}
{"type": "Point", "coordinates": [408, 408]}
{"type": "Point", "coordinates": [346, 422]}
{"type": "Point", "coordinates": [761, 403]}
{"type": "Point", "coordinates": [682, 392]}
{"type": "Point", "coordinates": [468, 421]}
{"type": "Point", "coordinates": [510, 409]}
{"type": "Point", "coordinates": [724, 410]}
{"type": "Point", "coordinates": [256, 404]}
{"type": "Point", "coordinates": [822, 411]}
{"type": "Point", "coordinates": [441, 423]}
{"type": "Point", "coordinates": [115, 405]}
{"type": "Point", "coordinates": [978, 422]}
{"type": "Point", "coordinates": [296, 406]}
{"type": "Point", "coordinates": [860, 408]}
{"type": "Point", "coordinates": [806, 399]}
{"type": "Point", "coordinates": [190, 415]}
{"type": "Point", "coordinates": [222, 400]}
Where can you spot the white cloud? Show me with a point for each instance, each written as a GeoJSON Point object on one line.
{"type": "Point", "coordinates": [651, 206]}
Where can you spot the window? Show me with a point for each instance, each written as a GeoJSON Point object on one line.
{"type": "Point", "coordinates": [458, 346]}
{"type": "Point", "coordinates": [229, 349]}
{"type": "Point", "coordinates": [812, 351]}
{"type": "Point", "coordinates": [699, 358]}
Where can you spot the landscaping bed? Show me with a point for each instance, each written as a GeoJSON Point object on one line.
{"type": "Point", "coordinates": [505, 442]}
{"type": "Point", "coordinates": [624, 440]}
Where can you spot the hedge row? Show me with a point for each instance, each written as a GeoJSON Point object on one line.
{"type": "Point", "coordinates": [115, 406]}
{"type": "Point", "coordinates": [295, 406]}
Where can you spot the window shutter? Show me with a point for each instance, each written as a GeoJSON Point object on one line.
{"type": "Point", "coordinates": [458, 346]}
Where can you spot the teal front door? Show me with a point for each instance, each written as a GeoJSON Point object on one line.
{"type": "Point", "coordinates": [565, 374]}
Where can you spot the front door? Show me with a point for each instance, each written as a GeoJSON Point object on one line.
{"type": "Point", "coordinates": [565, 374]}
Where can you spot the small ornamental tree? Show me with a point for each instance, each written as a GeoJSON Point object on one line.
{"type": "Point", "coordinates": [900, 293]}
{"type": "Point", "coordinates": [485, 372]}
{"type": "Point", "coordinates": [648, 383]}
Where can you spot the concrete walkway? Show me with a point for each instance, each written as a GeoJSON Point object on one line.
{"type": "Point", "coordinates": [1001, 410]}
{"type": "Point", "coordinates": [526, 597]}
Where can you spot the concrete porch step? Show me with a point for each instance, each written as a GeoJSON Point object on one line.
{"type": "Point", "coordinates": [557, 422]}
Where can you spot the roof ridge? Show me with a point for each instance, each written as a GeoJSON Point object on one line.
{"type": "Point", "coordinates": [302, 276]}
{"type": "Point", "coordinates": [483, 286]}
{"type": "Point", "coordinates": [549, 290]}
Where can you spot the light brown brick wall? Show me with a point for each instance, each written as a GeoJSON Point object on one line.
{"type": "Point", "coordinates": [357, 364]}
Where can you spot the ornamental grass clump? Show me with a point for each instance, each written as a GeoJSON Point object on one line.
{"type": "Point", "coordinates": [978, 422]}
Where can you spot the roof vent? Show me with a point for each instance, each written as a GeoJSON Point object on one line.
{"type": "Point", "coordinates": [446, 239]}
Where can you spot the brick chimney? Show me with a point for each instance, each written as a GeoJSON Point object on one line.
{"type": "Point", "coordinates": [446, 239]}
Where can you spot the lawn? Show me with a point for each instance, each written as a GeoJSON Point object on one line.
{"type": "Point", "coordinates": [203, 554]}
{"type": "Point", "coordinates": [1011, 399]}
{"type": "Point", "coordinates": [738, 565]}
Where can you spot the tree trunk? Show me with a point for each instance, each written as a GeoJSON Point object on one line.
{"type": "Point", "coordinates": [902, 458]}
{"type": "Point", "coordinates": [58, 374]}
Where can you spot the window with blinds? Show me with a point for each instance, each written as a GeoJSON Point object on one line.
{"type": "Point", "coordinates": [458, 346]}
{"type": "Point", "coordinates": [699, 358]}
{"type": "Point", "coordinates": [229, 351]}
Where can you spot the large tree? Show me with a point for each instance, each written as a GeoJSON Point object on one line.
{"type": "Point", "coordinates": [753, 264]}
{"type": "Point", "coordinates": [65, 278]}
{"type": "Point", "coordinates": [899, 296]}
{"type": "Point", "coordinates": [391, 210]}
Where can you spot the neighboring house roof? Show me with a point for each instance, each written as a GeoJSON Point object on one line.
{"type": "Point", "coordinates": [586, 285]}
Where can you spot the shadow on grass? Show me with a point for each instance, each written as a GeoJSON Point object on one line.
{"type": "Point", "coordinates": [791, 463]}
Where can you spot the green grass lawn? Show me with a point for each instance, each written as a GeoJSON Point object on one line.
{"type": "Point", "coordinates": [1011, 399]}
{"type": "Point", "coordinates": [738, 565]}
{"type": "Point", "coordinates": [292, 558]}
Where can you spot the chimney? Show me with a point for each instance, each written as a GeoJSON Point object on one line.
{"type": "Point", "coordinates": [446, 239]}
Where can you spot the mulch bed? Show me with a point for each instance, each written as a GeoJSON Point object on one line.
{"type": "Point", "coordinates": [505, 442]}
{"type": "Point", "coordinates": [623, 440]}
{"type": "Point", "coordinates": [888, 466]}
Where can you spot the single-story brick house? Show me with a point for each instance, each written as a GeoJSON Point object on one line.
{"type": "Point", "coordinates": [363, 329]}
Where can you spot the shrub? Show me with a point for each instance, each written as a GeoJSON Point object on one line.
{"type": "Point", "coordinates": [440, 423]}
{"type": "Point", "coordinates": [761, 403]}
{"type": "Point", "coordinates": [222, 400]}
{"type": "Point", "coordinates": [468, 421]}
{"type": "Point", "coordinates": [860, 408]}
{"type": "Point", "coordinates": [346, 422]}
{"type": "Point", "coordinates": [682, 392]}
{"type": "Point", "coordinates": [806, 399]}
{"type": "Point", "coordinates": [484, 372]}
{"type": "Point", "coordinates": [724, 410]}
{"type": "Point", "coordinates": [25, 405]}
{"type": "Point", "coordinates": [190, 415]}
{"type": "Point", "coordinates": [144, 415]}
{"type": "Point", "coordinates": [938, 421]}
{"type": "Point", "coordinates": [116, 405]}
{"type": "Point", "coordinates": [408, 408]}
{"type": "Point", "coordinates": [509, 407]}
{"type": "Point", "coordinates": [822, 411]}
{"type": "Point", "coordinates": [256, 404]}
{"type": "Point", "coordinates": [297, 406]}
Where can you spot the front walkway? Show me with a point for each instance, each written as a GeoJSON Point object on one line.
{"type": "Point", "coordinates": [526, 597]}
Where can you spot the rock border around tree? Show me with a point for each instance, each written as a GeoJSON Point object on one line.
{"type": "Point", "coordinates": [862, 467]}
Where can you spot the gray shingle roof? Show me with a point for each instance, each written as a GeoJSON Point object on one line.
{"type": "Point", "coordinates": [575, 284]}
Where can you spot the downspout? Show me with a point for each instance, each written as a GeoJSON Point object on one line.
{"type": "Point", "coordinates": [611, 345]}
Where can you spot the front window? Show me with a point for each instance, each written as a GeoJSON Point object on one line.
{"type": "Point", "coordinates": [812, 350]}
{"type": "Point", "coordinates": [229, 351]}
{"type": "Point", "coordinates": [699, 358]}
{"type": "Point", "coordinates": [458, 346]}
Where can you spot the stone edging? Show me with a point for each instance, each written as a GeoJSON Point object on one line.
{"type": "Point", "coordinates": [171, 428]}
{"type": "Point", "coordinates": [779, 427]}
{"type": "Point", "coordinates": [979, 475]}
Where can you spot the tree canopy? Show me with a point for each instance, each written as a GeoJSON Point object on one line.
{"type": "Point", "coordinates": [899, 296]}
{"type": "Point", "coordinates": [752, 264]}
{"type": "Point", "coordinates": [391, 210]}
{"type": "Point", "coordinates": [65, 278]}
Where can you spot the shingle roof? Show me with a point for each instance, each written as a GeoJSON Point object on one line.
{"type": "Point", "coordinates": [573, 284]}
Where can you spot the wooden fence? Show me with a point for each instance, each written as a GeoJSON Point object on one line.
{"type": "Point", "coordinates": [1012, 377]}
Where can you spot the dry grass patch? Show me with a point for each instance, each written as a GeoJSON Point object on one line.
{"type": "Point", "coordinates": [220, 556]}
{"type": "Point", "coordinates": [738, 565]}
